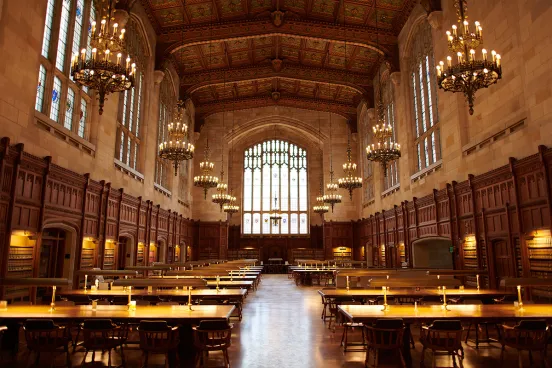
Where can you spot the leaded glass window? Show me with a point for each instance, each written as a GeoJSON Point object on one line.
{"type": "Point", "coordinates": [57, 96]}
{"type": "Point", "coordinates": [130, 103]}
{"type": "Point", "coordinates": [167, 101]}
{"type": "Point", "coordinates": [424, 95]}
{"type": "Point", "coordinates": [275, 176]}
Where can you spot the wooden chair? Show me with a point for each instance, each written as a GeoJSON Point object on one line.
{"type": "Point", "coordinates": [44, 336]}
{"type": "Point", "coordinates": [530, 335]}
{"type": "Point", "coordinates": [442, 336]}
{"type": "Point", "coordinates": [212, 336]}
{"type": "Point", "coordinates": [157, 337]}
{"type": "Point", "coordinates": [385, 334]}
{"type": "Point", "coordinates": [347, 326]}
{"type": "Point", "coordinates": [480, 325]}
{"type": "Point", "coordinates": [103, 335]}
{"type": "Point", "coordinates": [2, 330]}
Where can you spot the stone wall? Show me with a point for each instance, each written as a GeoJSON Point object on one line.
{"type": "Point", "coordinates": [21, 32]}
{"type": "Point", "coordinates": [511, 118]}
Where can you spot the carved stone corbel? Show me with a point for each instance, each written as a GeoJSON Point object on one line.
{"type": "Point", "coordinates": [435, 19]}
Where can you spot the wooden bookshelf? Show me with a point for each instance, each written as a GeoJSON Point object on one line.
{"type": "Point", "coordinates": [243, 254]}
{"type": "Point", "coordinates": [20, 263]}
{"type": "Point", "coordinates": [140, 254]}
{"type": "Point", "coordinates": [110, 261]}
{"type": "Point", "coordinates": [88, 255]}
{"type": "Point", "coordinates": [469, 255]}
{"type": "Point", "coordinates": [540, 254]}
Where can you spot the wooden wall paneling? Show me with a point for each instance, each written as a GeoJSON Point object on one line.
{"type": "Point", "coordinates": [14, 156]}
{"type": "Point", "coordinates": [406, 230]}
{"type": "Point", "coordinates": [104, 199]}
{"type": "Point", "coordinates": [397, 260]}
{"type": "Point", "coordinates": [81, 235]}
{"type": "Point", "coordinates": [524, 252]}
{"type": "Point", "coordinates": [546, 168]}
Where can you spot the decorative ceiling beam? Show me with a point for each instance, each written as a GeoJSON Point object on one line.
{"type": "Point", "coordinates": [193, 81]}
{"type": "Point", "coordinates": [174, 38]}
{"type": "Point", "coordinates": [348, 111]}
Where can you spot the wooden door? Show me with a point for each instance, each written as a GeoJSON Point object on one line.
{"type": "Point", "coordinates": [503, 261]}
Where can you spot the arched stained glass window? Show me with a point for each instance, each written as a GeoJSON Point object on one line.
{"type": "Point", "coordinates": [275, 176]}
{"type": "Point", "coordinates": [424, 93]}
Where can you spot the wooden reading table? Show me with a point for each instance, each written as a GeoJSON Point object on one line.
{"type": "Point", "coordinates": [489, 313]}
{"type": "Point", "coordinates": [174, 315]}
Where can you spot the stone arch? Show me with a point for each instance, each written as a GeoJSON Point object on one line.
{"type": "Point", "coordinates": [130, 246]}
{"type": "Point", "coordinates": [71, 239]}
{"type": "Point", "coordinates": [432, 252]}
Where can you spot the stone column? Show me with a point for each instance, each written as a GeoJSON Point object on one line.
{"type": "Point", "coordinates": [149, 149]}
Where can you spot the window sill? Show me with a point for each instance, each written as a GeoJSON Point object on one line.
{"type": "Point", "coordinates": [162, 190]}
{"type": "Point", "coordinates": [391, 190]}
{"type": "Point", "coordinates": [369, 203]}
{"type": "Point", "coordinates": [469, 149]}
{"type": "Point", "coordinates": [184, 203]}
{"type": "Point", "coordinates": [427, 171]}
{"type": "Point", "coordinates": [59, 131]}
{"type": "Point", "coordinates": [128, 170]}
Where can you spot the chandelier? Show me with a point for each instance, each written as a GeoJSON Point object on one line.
{"type": "Point", "coordinates": [177, 148]}
{"type": "Point", "coordinates": [231, 207]}
{"type": "Point", "coordinates": [350, 181]}
{"type": "Point", "coordinates": [320, 207]}
{"type": "Point", "coordinates": [469, 73]}
{"type": "Point", "coordinates": [275, 216]}
{"type": "Point", "coordinates": [332, 198]}
{"type": "Point", "coordinates": [206, 180]}
{"type": "Point", "coordinates": [106, 70]}
{"type": "Point", "coordinates": [386, 150]}
{"type": "Point", "coordinates": [222, 198]}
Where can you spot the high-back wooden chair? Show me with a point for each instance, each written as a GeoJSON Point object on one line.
{"type": "Point", "coordinates": [157, 337]}
{"type": "Point", "coordinates": [103, 335]}
{"type": "Point", "coordinates": [443, 336]}
{"type": "Point", "coordinates": [385, 334]}
{"type": "Point", "coordinates": [44, 336]}
{"type": "Point", "coordinates": [212, 335]}
{"type": "Point", "coordinates": [528, 335]}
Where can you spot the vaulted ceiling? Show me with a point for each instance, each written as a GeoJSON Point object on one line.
{"type": "Point", "coordinates": [316, 54]}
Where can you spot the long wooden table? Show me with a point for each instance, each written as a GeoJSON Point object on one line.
{"type": "Point", "coordinates": [174, 315]}
{"type": "Point", "coordinates": [465, 312]}
{"type": "Point", "coordinates": [344, 294]}
{"type": "Point", "coordinates": [245, 284]}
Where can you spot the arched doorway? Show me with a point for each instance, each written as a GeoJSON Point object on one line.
{"type": "Point", "coordinates": [125, 252]}
{"type": "Point", "coordinates": [432, 253]}
{"type": "Point", "coordinates": [57, 247]}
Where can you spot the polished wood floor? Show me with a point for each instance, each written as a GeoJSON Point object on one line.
{"type": "Point", "coordinates": [281, 328]}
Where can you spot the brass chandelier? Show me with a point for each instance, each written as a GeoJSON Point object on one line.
{"type": "Point", "coordinates": [206, 180]}
{"type": "Point", "coordinates": [320, 207]}
{"type": "Point", "coordinates": [350, 181]}
{"type": "Point", "coordinates": [177, 147]}
{"type": "Point", "coordinates": [222, 197]}
{"type": "Point", "coordinates": [386, 150]}
{"type": "Point", "coordinates": [275, 215]}
{"type": "Point", "coordinates": [231, 207]}
{"type": "Point", "coordinates": [469, 73]}
{"type": "Point", "coordinates": [331, 198]}
{"type": "Point", "coordinates": [109, 68]}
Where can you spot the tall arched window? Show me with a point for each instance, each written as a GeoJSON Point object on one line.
{"type": "Point", "coordinates": [275, 176]}
{"type": "Point", "coordinates": [131, 102]}
{"type": "Point", "coordinates": [392, 171]}
{"type": "Point", "coordinates": [67, 30]}
{"type": "Point", "coordinates": [423, 82]}
{"type": "Point", "coordinates": [167, 101]}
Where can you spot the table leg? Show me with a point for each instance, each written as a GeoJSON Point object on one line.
{"type": "Point", "coordinates": [406, 345]}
